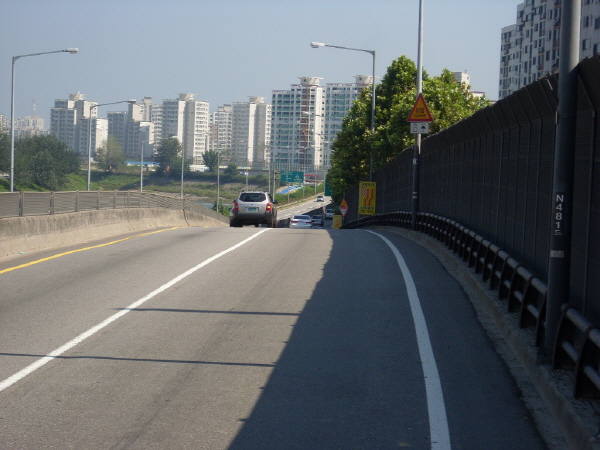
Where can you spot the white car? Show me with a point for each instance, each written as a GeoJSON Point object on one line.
{"type": "Point", "coordinates": [317, 221]}
{"type": "Point", "coordinates": [301, 221]}
{"type": "Point", "coordinates": [329, 214]}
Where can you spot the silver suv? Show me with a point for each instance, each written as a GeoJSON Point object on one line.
{"type": "Point", "coordinates": [254, 208]}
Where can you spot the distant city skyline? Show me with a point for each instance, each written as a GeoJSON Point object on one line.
{"type": "Point", "coordinates": [229, 50]}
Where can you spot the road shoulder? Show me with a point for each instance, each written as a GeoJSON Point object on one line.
{"type": "Point", "coordinates": [563, 421]}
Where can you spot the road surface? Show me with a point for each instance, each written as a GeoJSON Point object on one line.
{"type": "Point", "coordinates": [249, 338]}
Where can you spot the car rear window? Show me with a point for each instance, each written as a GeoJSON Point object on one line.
{"type": "Point", "coordinates": [302, 217]}
{"type": "Point", "coordinates": [252, 197]}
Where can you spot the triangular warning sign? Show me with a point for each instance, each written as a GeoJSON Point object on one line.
{"type": "Point", "coordinates": [420, 112]}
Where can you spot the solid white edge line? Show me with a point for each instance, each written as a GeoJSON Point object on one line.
{"type": "Point", "coordinates": [83, 336]}
{"type": "Point", "coordinates": [438, 422]}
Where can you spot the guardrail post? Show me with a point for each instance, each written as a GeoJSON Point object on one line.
{"type": "Point", "coordinates": [21, 203]}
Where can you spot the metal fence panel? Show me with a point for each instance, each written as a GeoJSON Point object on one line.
{"type": "Point", "coordinates": [10, 206]}
{"type": "Point", "coordinates": [36, 203]}
{"type": "Point", "coordinates": [64, 202]}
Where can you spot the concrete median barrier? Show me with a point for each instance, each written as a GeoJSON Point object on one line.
{"type": "Point", "coordinates": [26, 234]}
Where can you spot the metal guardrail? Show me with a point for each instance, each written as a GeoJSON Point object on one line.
{"type": "Point", "coordinates": [26, 203]}
{"type": "Point", "coordinates": [577, 345]}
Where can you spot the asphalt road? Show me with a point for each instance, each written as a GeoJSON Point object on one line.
{"type": "Point", "coordinates": [249, 338]}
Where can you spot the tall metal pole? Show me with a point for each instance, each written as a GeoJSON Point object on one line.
{"type": "Point", "coordinates": [12, 126]}
{"type": "Point", "coordinates": [182, 167]}
{"type": "Point", "coordinates": [372, 52]}
{"type": "Point", "coordinates": [417, 146]}
{"type": "Point", "coordinates": [559, 266]}
{"type": "Point", "coordinates": [142, 168]}
{"type": "Point", "coordinates": [372, 120]}
{"type": "Point", "coordinates": [89, 159]}
{"type": "Point", "coordinates": [72, 51]}
{"type": "Point", "coordinates": [218, 179]}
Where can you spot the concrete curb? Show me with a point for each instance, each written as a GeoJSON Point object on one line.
{"type": "Point", "coordinates": [577, 420]}
{"type": "Point", "coordinates": [31, 233]}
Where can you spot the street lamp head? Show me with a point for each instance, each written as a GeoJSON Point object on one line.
{"type": "Point", "coordinates": [72, 51]}
{"type": "Point", "coordinates": [316, 44]}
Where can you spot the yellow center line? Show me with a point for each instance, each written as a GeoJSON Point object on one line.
{"type": "Point", "coordinates": [81, 250]}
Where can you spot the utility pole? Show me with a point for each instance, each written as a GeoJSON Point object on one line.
{"type": "Point", "coordinates": [417, 146]}
{"type": "Point", "coordinates": [559, 266]}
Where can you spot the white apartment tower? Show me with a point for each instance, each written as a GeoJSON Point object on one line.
{"type": "Point", "coordinates": [250, 132]}
{"type": "Point", "coordinates": [339, 98]}
{"type": "Point", "coordinates": [307, 119]}
{"type": "Point", "coordinates": [221, 127]}
{"type": "Point", "coordinates": [70, 121]}
{"type": "Point", "coordinates": [296, 126]}
{"type": "Point", "coordinates": [530, 48]}
{"type": "Point", "coordinates": [133, 132]}
{"type": "Point", "coordinates": [184, 118]}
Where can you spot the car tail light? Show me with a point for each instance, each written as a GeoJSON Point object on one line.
{"type": "Point", "coordinates": [235, 206]}
{"type": "Point", "coordinates": [269, 207]}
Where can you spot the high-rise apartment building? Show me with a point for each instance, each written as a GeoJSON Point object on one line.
{"type": "Point", "coordinates": [28, 126]}
{"type": "Point", "coordinates": [339, 98]}
{"type": "Point", "coordinates": [296, 125]}
{"type": "Point", "coordinates": [307, 119]}
{"type": "Point", "coordinates": [133, 132]}
{"type": "Point", "coordinates": [530, 48]}
{"type": "Point", "coordinates": [183, 118]}
{"type": "Point", "coordinates": [4, 123]}
{"type": "Point", "coordinates": [70, 122]}
{"type": "Point", "coordinates": [250, 132]}
{"type": "Point", "coordinates": [220, 130]}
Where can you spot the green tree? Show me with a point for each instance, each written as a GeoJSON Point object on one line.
{"type": "Point", "coordinates": [43, 162]}
{"type": "Point", "coordinates": [231, 173]}
{"type": "Point", "coordinates": [4, 152]}
{"type": "Point", "coordinates": [167, 156]}
{"type": "Point", "coordinates": [222, 208]}
{"type": "Point", "coordinates": [211, 159]}
{"type": "Point", "coordinates": [109, 155]}
{"type": "Point", "coordinates": [448, 101]}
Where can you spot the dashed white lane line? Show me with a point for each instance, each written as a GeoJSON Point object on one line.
{"type": "Point", "coordinates": [83, 336]}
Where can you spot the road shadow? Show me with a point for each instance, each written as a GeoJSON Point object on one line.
{"type": "Point", "coordinates": [341, 381]}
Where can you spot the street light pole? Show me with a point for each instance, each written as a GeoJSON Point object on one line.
{"type": "Point", "coordinates": [12, 108]}
{"type": "Point", "coordinates": [89, 160]}
{"type": "Point", "coordinates": [218, 176]}
{"type": "Point", "coordinates": [417, 146]}
{"type": "Point", "coordinates": [142, 168]}
{"type": "Point", "coordinates": [182, 167]}
{"type": "Point", "coordinates": [372, 53]}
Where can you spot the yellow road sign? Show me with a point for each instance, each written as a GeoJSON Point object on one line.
{"type": "Point", "coordinates": [337, 221]}
{"type": "Point", "coordinates": [367, 199]}
{"type": "Point", "coordinates": [420, 112]}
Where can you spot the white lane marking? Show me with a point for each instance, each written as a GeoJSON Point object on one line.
{"type": "Point", "coordinates": [83, 336]}
{"type": "Point", "coordinates": [438, 422]}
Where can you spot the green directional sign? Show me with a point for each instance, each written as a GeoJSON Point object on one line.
{"type": "Point", "coordinates": [288, 176]}
{"type": "Point", "coordinates": [327, 188]}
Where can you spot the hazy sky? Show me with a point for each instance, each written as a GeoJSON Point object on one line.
{"type": "Point", "coordinates": [228, 50]}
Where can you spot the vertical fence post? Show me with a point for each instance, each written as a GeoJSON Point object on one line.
{"type": "Point", "coordinates": [559, 266]}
